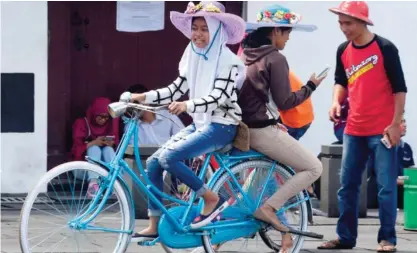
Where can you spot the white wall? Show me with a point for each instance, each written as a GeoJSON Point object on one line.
{"type": "Point", "coordinates": [311, 52]}
{"type": "Point", "coordinates": [24, 29]}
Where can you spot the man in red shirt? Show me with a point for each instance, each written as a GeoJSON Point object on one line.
{"type": "Point", "coordinates": [369, 68]}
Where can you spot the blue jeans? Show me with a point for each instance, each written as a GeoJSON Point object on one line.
{"type": "Point", "coordinates": [104, 154]}
{"type": "Point", "coordinates": [356, 151]}
{"type": "Point", "coordinates": [186, 144]}
{"type": "Point", "coordinates": [297, 133]}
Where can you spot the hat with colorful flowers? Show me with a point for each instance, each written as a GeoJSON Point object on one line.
{"type": "Point", "coordinates": [278, 16]}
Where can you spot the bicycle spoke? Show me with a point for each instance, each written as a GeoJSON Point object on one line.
{"type": "Point", "coordinates": [40, 210]}
{"type": "Point", "coordinates": [57, 244]}
{"type": "Point", "coordinates": [62, 230]}
{"type": "Point", "coordinates": [49, 232]}
{"type": "Point", "coordinates": [81, 191]}
{"type": "Point", "coordinates": [56, 194]}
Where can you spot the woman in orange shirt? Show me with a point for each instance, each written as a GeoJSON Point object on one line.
{"type": "Point", "coordinates": [298, 119]}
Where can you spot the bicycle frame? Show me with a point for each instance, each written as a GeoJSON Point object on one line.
{"type": "Point", "coordinates": [118, 166]}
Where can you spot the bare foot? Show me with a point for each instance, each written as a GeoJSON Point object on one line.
{"type": "Point", "coordinates": [385, 246]}
{"type": "Point", "coordinates": [267, 214]}
{"type": "Point", "coordinates": [400, 182]}
{"type": "Point", "coordinates": [286, 243]}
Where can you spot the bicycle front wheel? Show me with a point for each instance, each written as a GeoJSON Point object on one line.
{"type": "Point", "coordinates": [60, 197]}
{"type": "Point", "coordinates": [259, 179]}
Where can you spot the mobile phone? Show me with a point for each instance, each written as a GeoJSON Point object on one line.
{"type": "Point", "coordinates": [109, 138]}
{"type": "Point", "coordinates": [387, 143]}
{"type": "Point", "coordinates": [323, 72]}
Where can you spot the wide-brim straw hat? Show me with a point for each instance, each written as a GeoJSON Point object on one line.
{"type": "Point", "coordinates": [233, 25]}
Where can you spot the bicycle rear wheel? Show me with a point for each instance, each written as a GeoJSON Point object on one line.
{"type": "Point", "coordinates": [295, 213]}
{"type": "Point", "coordinates": [254, 179]}
{"type": "Point", "coordinates": [46, 227]}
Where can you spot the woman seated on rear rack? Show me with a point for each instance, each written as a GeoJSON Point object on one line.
{"type": "Point", "coordinates": [207, 71]}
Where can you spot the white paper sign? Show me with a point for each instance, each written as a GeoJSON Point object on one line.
{"type": "Point", "coordinates": [140, 16]}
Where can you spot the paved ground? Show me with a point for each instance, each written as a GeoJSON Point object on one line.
{"type": "Point", "coordinates": [407, 240]}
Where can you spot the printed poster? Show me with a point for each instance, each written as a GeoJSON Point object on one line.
{"type": "Point", "coordinates": [135, 16]}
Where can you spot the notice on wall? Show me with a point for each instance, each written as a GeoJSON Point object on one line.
{"type": "Point", "coordinates": [140, 16]}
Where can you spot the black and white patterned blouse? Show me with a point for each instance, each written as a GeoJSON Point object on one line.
{"type": "Point", "coordinates": [224, 94]}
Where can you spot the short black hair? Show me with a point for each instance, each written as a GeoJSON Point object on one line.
{"type": "Point", "coordinates": [137, 88]}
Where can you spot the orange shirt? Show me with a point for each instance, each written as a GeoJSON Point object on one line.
{"type": "Point", "coordinates": [301, 115]}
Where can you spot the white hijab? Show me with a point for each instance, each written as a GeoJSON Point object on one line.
{"type": "Point", "coordinates": [201, 71]}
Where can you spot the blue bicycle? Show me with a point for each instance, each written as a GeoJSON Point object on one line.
{"type": "Point", "coordinates": [65, 218]}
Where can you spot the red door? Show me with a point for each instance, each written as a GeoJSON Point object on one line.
{"type": "Point", "coordinates": [89, 58]}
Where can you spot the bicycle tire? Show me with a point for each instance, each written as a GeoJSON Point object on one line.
{"type": "Point", "coordinates": [123, 241]}
{"type": "Point", "coordinates": [284, 171]}
{"type": "Point", "coordinates": [304, 214]}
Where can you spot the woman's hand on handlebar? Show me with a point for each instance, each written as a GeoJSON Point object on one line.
{"type": "Point", "coordinates": [177, 107]}
{"type": "Point", "coordinates": [132, 97]}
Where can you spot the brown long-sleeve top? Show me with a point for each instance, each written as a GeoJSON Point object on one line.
{"type": "Point", "coordinates": [267, 71]}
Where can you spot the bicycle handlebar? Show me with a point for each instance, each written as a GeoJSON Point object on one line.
{"type": "Point", "coordinates": [147, 108]}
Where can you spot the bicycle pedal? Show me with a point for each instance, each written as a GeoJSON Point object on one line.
{"type": "Point", "coordinates": [149, 243]}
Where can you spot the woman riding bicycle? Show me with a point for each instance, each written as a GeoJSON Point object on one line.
{"type": "Point", "coordinates": [267, 81]}
{"type": "Point", "coordinates": [207, 70]}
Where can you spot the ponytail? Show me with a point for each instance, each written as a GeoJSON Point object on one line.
{"type": "Point", "coordinates": [260, 37]}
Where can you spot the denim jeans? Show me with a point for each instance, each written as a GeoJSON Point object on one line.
{"type": "Point", "coordinates": [297, 133]}
{"type": "Point", "coordinates": [356, 151]}
{"type": "Point", "coordinates": [104, 154]}
{"type": "Point", "coordinates": [186, 144]}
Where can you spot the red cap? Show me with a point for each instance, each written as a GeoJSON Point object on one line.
{"type": "Point", "coordinates": [354, 9]}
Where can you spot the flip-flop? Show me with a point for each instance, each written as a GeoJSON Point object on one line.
{"type": "Point", "coordinates": [384, 245]}
{"type": "Point", "coordinates": [333, 244]}
{"type": "Point", "coordinates": [137, 237]}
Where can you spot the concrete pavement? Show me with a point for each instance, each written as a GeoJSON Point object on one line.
{"type": "Point", "coordinates": [368, 228]}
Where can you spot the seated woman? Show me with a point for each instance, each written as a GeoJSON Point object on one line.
{"type": "Point", "coordinates": [267, 80]}
{"type": "Point", "coordinates": [207, 71]}
{"type": "Point", "coordinates": [94, 135]}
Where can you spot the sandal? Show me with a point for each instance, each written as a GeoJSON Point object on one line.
{"type": "Point", "coordinates": [334, 244]}
{"type": "Point", "coordinates": [137, 237]}
{"type": "Point", "coordinates": [203, 220]}
{"type": "Point", "coordinates": [385, 246]}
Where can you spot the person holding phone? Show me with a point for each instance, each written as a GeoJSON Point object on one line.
{"type": "Point", "coordinates": [368, 68]}
{"type": "Point", "coordinates": [266, 90]}
{"type": "Point", "coordinates": [96, 136]}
